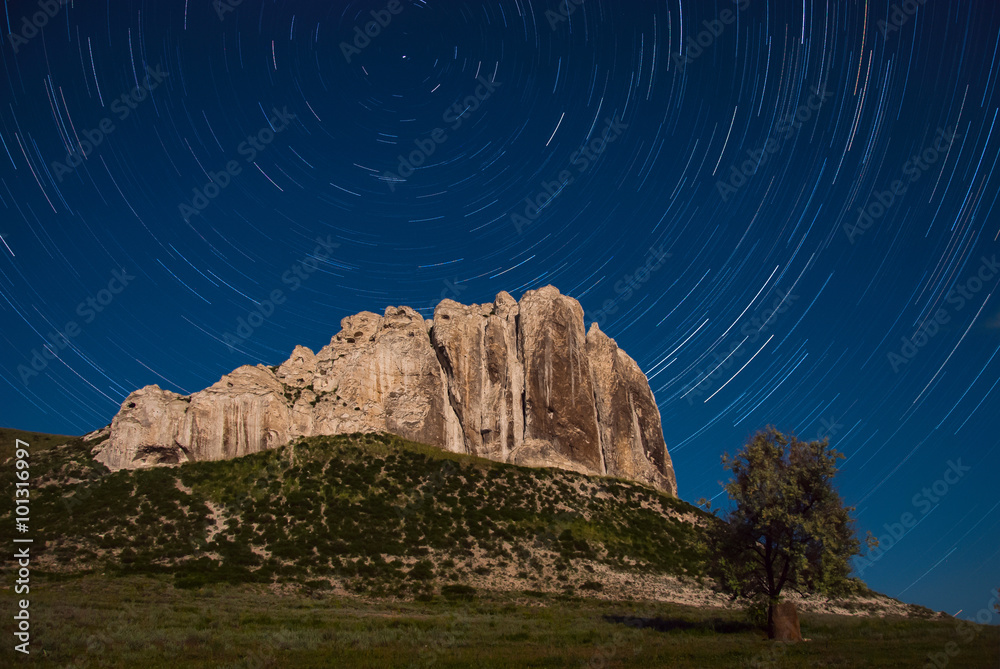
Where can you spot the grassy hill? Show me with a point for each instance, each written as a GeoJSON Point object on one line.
{"type": "Point", "coordinates": [38, 441]}
{"type": "Point", "coordinates": [372, 514]}
{"type": "Point", "coordinates": [370, 551]}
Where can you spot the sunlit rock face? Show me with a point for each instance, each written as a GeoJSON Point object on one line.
{"type": "Point", "coordinates": [520, 382]}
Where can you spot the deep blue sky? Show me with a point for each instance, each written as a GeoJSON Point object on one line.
{"type": "Point", "coordinates": [722, 361]}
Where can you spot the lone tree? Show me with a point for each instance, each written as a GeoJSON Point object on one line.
{"type": "Point", "coordinates": [788, 526]}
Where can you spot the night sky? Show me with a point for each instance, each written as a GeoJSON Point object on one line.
{"type": "Point", "coordinates": [784, 210]}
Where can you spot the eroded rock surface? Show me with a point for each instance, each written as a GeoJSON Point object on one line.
{"type": "Point", "coordinates": [518, 382]}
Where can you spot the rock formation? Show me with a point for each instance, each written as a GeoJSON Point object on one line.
{"type": "Point", "coordinates": [785, 623]}
{"type": "Point", "coordinates": [513, 382]}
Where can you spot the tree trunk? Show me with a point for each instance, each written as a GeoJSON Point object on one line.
{"type": "Point", "coordinates": [770, 619]}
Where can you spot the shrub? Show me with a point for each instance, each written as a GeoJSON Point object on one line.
{"type": "Point", "coordinates": [458, 591]}
{"type": "Point", "coordinates": [422, 570]}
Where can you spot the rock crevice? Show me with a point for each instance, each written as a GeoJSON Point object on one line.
{"type": "Point", "coordinates": [519, 382]}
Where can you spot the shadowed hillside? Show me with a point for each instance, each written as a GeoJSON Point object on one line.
{"type": "Point", "coordinates": [367, 513]}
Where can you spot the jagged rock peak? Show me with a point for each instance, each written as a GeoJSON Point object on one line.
{"type": "Point", "coordinates": [518, 382]}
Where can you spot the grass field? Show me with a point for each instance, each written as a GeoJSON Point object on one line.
{"type": "Point", "coordinates": [139, 621]}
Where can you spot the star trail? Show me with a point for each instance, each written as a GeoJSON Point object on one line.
{"type": "Point", "coordinates": [784, 210]}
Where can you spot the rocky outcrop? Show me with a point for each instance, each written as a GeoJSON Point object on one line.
{"type": "Point", "coordinates": [785, 623]}
{"type": "Point", "coordinates": [512, 382]}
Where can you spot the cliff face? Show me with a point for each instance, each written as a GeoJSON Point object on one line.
{"type": "Point", "coordinates": [513, 382]}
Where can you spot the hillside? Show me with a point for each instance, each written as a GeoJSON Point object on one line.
{"type": "Point", "coordinates": [367, 513]}
{"type": "Point", "coordinates": [38, 440]}
{"type": "Point", "coordinates": [376, 515]}
{"type": "Point", "coordinates": [371, 551]}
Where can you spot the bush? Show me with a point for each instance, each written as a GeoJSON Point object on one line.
{"type": "Point", "coordinates": [458, 592]}
{"type": "Point", "coordinates": [756, 610]}
{"type": "Point", "coordinates": [422, 570]}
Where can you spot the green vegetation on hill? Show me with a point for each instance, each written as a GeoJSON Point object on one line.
{"type": "Point", "coordinates": [373, 513]}
{"type": "Point", "coordinates": [37, 440]}
{"type": "Point", "coordinates": [188, 566]}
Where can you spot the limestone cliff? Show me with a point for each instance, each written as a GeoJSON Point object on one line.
{"type": "Point", "coordinates": [513, 382]}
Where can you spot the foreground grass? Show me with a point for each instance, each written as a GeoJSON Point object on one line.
{"type": "Point", "coordinates": [138, 621]}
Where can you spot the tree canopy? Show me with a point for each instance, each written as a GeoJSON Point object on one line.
{"type": "Point", "coordinates": [787, 526]}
